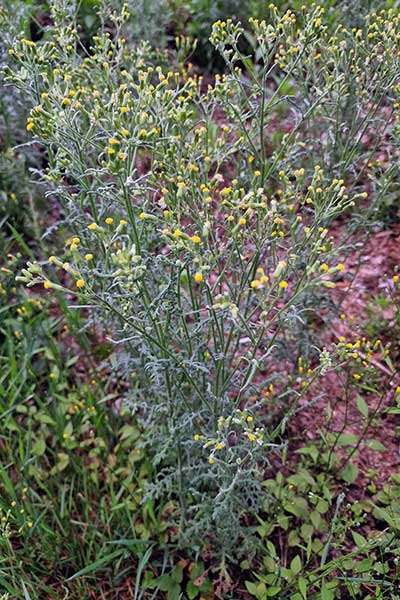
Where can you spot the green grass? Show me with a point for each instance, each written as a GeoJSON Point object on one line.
{"type": "Point", "coordinates": [71, 473]}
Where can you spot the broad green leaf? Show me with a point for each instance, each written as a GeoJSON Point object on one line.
{"type": "Point", "coordinates": [68, 429]}
{"type": "Point", "coordinates": [362, 406]}
{"type": "Point", "coordinates": [359, 539]}
{"type": "Point", "coordinates": [251, 588]}
{"type": "Point", "coordinates": [315, 519]}
{"type": "Point", "coordinates": [293, 538]}
{"type": "Point", "coordinates": [45, 419]}
{"type": "Point", "coordinates": [326, 594]}
{"type": "Point", "coordinates": [63, 461]}
{"type": "Point", "coordinates": [269, 564]}
{"type": "Point", "coordinates": [174, 592]}
{"type": "Point", "coordinates": [271, 548]}
{"type": "Point", "coordinates": [165, 582]}
{"type": "Point", "coordinates": [309, 450]}
{"type": "Point", "coordinates": [273, 591]}
{"type": "Point", "coordinates": [177, 574]}
{"type": "Point", "coordinates": [322, 506]}
{"type": "Point", "coordinates": [295, 565]}
{"type": "Point", "coordinates": [297, 506]}
{"type": "Point", "coordinates": [375, 445]}
{"type": "Point", "coordinates": [192, 590]}
{"type": "Point", "coordinates": [303, 587]}
{"type": "Point", "coordinates": [258, 591]}
{"type": "Point", "coordinates": [39, 447]}
{"type": "Point", "coordinates": [349, 473]}
{"type": "Point", "coordinates": [347, 439]}
{"type": "Point", "coordinates": [306, 531]}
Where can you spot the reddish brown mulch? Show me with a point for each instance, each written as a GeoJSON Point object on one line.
{"type": "Point", "coordinates": [365, 279]}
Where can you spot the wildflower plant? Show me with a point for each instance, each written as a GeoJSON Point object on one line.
{"type": "Point", "coordinates": [14, 161]}
{"type": "Point", "coordinates": [194, 244]}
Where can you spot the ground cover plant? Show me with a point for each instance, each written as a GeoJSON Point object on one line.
{"type": "Point", "coordinates": [189, 398]}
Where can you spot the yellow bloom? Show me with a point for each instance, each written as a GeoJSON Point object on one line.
{"type": "Point", "coordinates": [195, 239]}
{"type": "Point", "coordinates": [225, 191]}
{"type": "Point", "coordinates": [198, 277]}
{"type": "Point", "coordinates": [283, 284]}
{"type": "Point", "coordinates": [47, 285]}
{"type": "Point", "coordinates": [109, 220]}
{"type": "Point", "coordinates": [89, 257]}
{"type": "Point", "coordinates": [80, 283]}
